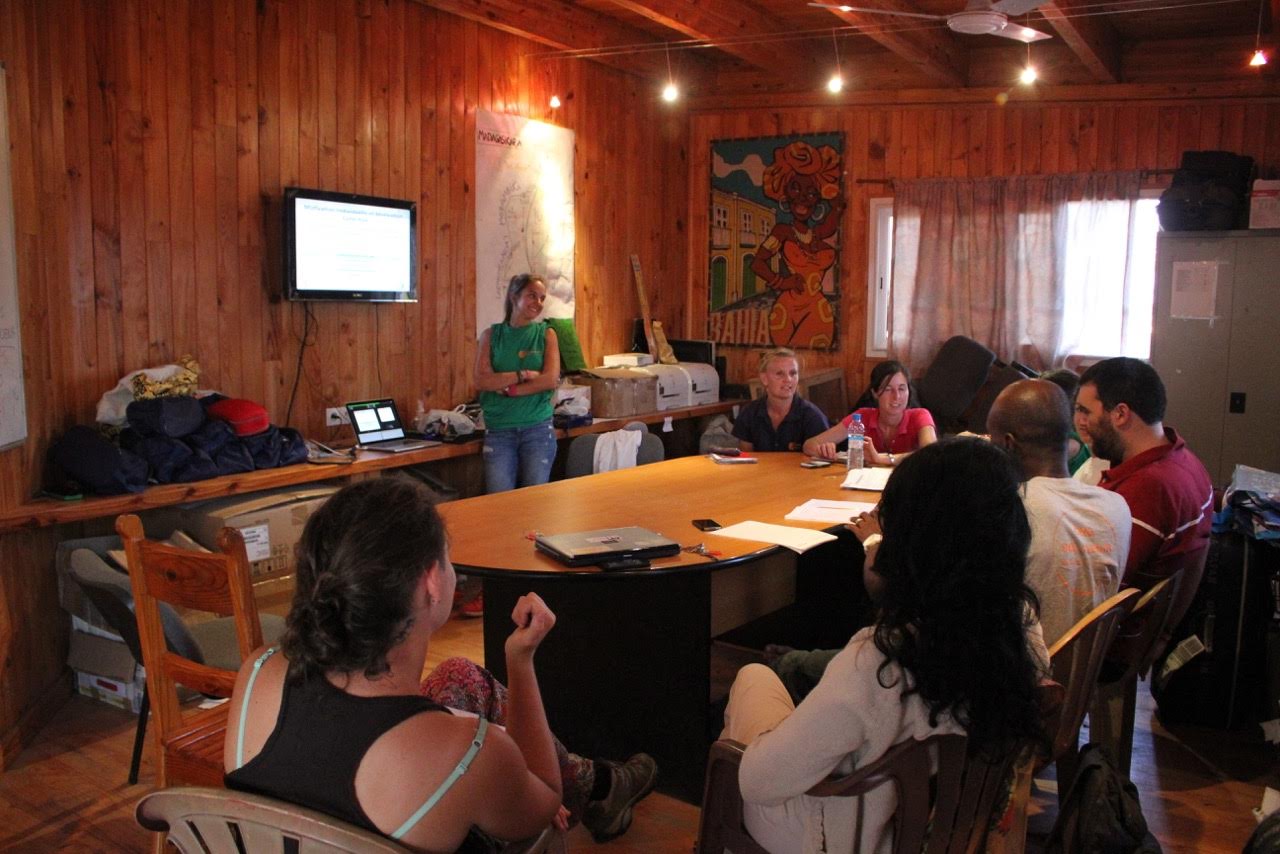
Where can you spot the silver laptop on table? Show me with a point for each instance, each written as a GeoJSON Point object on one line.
{"type": "Point", "coordinates": [583, 548]}
{"type": "Point", "coordinates": [378, 427]}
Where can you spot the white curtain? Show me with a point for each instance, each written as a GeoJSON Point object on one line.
{"type": "Point", "coordinates": [1005, 261]}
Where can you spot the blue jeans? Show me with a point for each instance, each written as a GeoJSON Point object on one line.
{"type": "Point", "coordinates": [519, 456]}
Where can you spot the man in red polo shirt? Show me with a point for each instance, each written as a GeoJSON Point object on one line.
{"type": "Point", "coordinates": [1168, 490]}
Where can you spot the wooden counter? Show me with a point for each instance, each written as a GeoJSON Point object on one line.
{"type": "Point", "coordinates": [44, 512]}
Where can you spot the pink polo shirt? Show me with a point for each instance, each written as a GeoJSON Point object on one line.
{"type": "Point", "coordinates": [908, 438]}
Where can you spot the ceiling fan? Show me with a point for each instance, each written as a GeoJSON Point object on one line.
{"type": "Point", "coordinates": [979, 18]}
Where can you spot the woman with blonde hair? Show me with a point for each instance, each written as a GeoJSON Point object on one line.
{"type": "Point", "coordinates": [780, 420]}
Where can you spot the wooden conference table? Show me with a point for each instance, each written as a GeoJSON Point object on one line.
{"type": "Point", "coordinates": [627, 667]}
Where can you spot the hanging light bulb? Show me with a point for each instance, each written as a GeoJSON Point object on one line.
{"type": "Point", "coordinates": [836, 83]}
{"type": "Point", "coordinates": [669, 92]}
{"type": "Point", "coordinates": [1028, 75]}
{"type": "Point", "coordinates": [1259, 58]}
{"type": "Point", "coordinates": [555, 102]}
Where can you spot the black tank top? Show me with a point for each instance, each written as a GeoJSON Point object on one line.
{"type": "Point", "coordinates": [321, 735]}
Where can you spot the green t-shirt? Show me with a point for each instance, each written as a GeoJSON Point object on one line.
{"type": "Point", "coordinates": [1081, 455]}
{"type": "Point", "coordinates": [510, 349]}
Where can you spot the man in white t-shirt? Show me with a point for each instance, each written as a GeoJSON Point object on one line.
{"type": "Point", "coordinates": [1079, 533]}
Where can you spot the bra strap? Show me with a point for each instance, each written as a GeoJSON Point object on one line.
{"type": "Point", "coordinates": [439, 793]}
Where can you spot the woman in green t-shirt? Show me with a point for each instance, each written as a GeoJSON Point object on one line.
{"type": "Point", "coordinates": [517, 369]}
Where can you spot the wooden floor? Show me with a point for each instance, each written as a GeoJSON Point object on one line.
{"type": "Point", "coordinates": [67, 792]}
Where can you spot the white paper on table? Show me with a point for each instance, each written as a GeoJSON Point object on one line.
{"type": "Point", "coordinates": [871, 479]}
{"type": "Point", "coordinates": [822, 510]}
{"type": "Point", "coordinates": [799, 540]}
{"type": "Point", "coordinates": [1270, 803]}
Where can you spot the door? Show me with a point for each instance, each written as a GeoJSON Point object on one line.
{"type": "Point", "coordinates": [1191, 350]}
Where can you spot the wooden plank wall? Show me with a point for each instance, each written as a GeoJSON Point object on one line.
{"type": "Point", "coordinates": [151, 142]}
{"type": "Point", "coordinates": [939, 139]}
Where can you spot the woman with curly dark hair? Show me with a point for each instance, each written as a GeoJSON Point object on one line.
{"type": "Point", "coordinates": [338, 718]}
{"type": "Point", "coordinates": [956, 647]}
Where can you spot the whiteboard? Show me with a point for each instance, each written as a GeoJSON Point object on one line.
{"type": "Point", "coordinates": [13, 407]}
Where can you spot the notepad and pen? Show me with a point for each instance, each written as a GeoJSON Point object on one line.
{"type": "Point", "coordinates": [869, 479]}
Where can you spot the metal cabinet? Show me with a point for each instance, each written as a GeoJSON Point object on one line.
{"type": "Point", "coordinates": [1215, 340]}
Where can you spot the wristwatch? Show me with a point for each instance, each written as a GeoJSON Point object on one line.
{"type": "Point", "coordinates": [891, 461]}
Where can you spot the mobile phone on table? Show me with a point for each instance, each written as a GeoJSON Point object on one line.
{"type": "Point", "coordinates": [706, 524]}
{"type": "Point", "coordinates": [815, 464]}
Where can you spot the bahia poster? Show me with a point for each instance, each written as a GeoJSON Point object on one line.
{"type": "Point", "coordinates": [776, 205]}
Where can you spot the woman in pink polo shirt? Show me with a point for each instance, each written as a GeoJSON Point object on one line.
{"type": "Point", "coordinates": [893, 429]}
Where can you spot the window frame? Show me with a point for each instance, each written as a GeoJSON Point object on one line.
{"type": "Point", "coordinates": [879, 274]}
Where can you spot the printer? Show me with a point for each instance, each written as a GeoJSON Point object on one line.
{"type": "Point", "coordinates": [684, 384]}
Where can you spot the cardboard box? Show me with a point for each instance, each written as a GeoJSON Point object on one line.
{"type": "Point", "coordinates": [620, 392]}
{"type": "Point", "coordinates": [271, 523]}
{"type": "Point", "coordinates": [106, 671]}
{"type": "Point", "coordinates": [628, 360]}
{"type": "Point", "coordinates": [1264, 204]}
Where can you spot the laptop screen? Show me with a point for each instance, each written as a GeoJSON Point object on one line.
{"type": "Point", "coordinates": [375, 421]}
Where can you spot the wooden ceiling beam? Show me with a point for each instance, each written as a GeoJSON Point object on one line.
{"type": "Point", "coordinates": [729, 28]}
{"type": "Point", "coordinates": [562, 26]}
{"type": "Point", "coordinates": [1093, 40]}
{"type": "Point", "coordinates": [932, 49]}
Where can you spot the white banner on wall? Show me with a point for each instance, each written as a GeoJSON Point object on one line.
{"type": "Point", "coordinates": [524, 211]}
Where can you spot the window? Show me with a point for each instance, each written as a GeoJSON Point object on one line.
{"type": "Point", "coordinates": [746, 232]}
{"type": "Point", "coordinates": [879, 275]}
{"type": "Point", "coordinates": [748, 275]}
{"type": "Point", "coordinates": [720, 226]}
{"type": "Point", "coordinates": [1110, 277]}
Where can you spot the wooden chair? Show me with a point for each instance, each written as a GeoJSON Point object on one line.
{"type": "Point", "coordinates": [218, 821]}
{"type": "Point", "coordinates": [949, 809]}
{"type": "Point", "coordinates": [1138, 642]}
{"type": "Point", "coordinates": [189, 747]}
{"type": "Point", "coordinates": [1076, 660]}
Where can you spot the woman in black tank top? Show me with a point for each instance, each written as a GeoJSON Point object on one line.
{"type": "Point", "coordinates": [333, 719]}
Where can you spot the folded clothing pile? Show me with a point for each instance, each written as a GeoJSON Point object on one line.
{"type": "Point", "coordinates": [176, 439]}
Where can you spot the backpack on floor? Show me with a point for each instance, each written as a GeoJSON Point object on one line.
{"type": "Point", "coordinates": [1101, 813]}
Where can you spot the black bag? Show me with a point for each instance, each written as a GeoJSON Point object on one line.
{"type": "Point", "coordinates": [1101, 813]}
{"type": "Point", "coordinates": [173, 417]}
{"type": "Point", "coordinates": [97, 464]}
{"type": "Point", "coordinates": [1210, 192]}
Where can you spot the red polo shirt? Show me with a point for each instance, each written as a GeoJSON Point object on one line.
{"type": "Point", "coordinates": [1171, 499]}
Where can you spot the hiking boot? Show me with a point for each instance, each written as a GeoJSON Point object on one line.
{"type": "Point", "coordinates": [609, 817]}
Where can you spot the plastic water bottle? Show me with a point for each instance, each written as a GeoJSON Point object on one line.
{"type": "Point", "coordinates": [856, 433]}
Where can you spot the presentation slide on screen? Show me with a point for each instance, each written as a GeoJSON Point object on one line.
{"type": "Point", "coordinates": [347, 247]}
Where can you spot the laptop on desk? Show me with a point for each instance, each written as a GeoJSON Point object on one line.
{"type": "Point", "coordinates": [378, 427]}
{"type": "Point", "coordinates": [583, 548]}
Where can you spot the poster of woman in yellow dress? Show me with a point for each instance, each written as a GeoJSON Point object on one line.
{"type": "Point", "coordinates": [776, 205]}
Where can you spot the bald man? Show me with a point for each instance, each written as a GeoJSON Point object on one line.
{"type": "Point", "coordinates": [1079, 533]}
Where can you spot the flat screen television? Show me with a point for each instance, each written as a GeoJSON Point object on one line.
{"type": "Point", "coordinates": [343, 246]}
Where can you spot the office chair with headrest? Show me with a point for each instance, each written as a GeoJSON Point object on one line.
{"type": "Point", "coordinates": [211, 642]}
{"type": "Point", "coordinates": [953, 379]}
{"type": "Point", "coordinates": [582, 451]}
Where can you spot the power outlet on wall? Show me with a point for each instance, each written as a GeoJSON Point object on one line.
{"type": "Point", "coordinates": [335, 416]}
